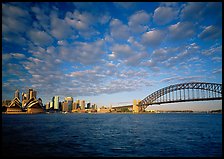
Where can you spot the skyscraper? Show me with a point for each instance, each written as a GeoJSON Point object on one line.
{"type": "Point", "coordinates": [47, 106]}
{"type": "Point", "coordinates": [35, 94]}
{"type": "Point", "coordinates": [65, 107]}
{"type": "Point", "coordinates": [69, 100]}
{"type": "Point", "coordinates": [82, 104]}
{"type": "Point", "coordinates": [74, 106]}
{"type": "Point", "coordinates": [51, 105]}
{"type": "Point", "coordinates": [88, 105]}
{"type": "Point", "coordinates": [56, 102]}
{"type": "Point", "coordinates": [30, 93]}
{"type": "Point", "coordinates": [24, 99]}
{"type": "Point", "coordinates": [77, 101]}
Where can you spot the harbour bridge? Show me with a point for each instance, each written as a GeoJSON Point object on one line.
{"type": "Point", "coordinates": [183, 92]}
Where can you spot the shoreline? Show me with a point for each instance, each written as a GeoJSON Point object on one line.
{"type": "Point", "coordinates": [199, 112]}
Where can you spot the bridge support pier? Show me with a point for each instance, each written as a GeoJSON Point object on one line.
{"type": "Point", "coordinates": [136, 107]}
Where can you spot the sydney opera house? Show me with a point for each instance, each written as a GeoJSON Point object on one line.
{"type": "Point", "coordinates": [29, 104]}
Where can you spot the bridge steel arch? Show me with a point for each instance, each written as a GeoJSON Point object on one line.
{"type": "Point", "coordinates": [183, 92]}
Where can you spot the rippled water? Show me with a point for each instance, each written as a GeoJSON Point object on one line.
{"type": "Point", "coordinates": [112, 135]}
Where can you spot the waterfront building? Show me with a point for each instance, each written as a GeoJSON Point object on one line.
{"type": "Point", "coordinates": [47, 106]}
{"type": "Point", "coordinates": [35, 94]}
{"type": "Point", "coordinates": [51, 105]}
{"type": "Point", "coordinates": [17, 94]}
{"type": "Point", "coordinates": [14, 106]}
{"type": "Point", "coordinates": [82, 104]}
{"type": "Point", "coordinates": [65, 107]}
{"type": "Point", "coordinates": [24, 99]}
{"type": "Point", "coordinates": [33, 106]}
{"type": "Point", "coordinates": [74, 106]}
{"type": "Point", "coordinates": [77, 101]}
{"type": "Point", "coordinates": [40, 101]}
{"type": "Point", "coordinates": [6, 102]}
{"type": "Point", "coordinates": [31, 93]}
{"type": "Point", "coordinates": [55, 100]}
{"type": "Point", "coordinates": [88, 105]}
{"type": "Point", "coordinates": [94, 106]}
{"type": "Point", "coordinates": [103, 110]}
{"type": "Point", "coordinates": [69, 100]}
{"type": "Point", "coordinates": [60, 106]}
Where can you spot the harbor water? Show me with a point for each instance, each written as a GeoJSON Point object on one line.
{"type": "Point", "coordinates": [111, 135]}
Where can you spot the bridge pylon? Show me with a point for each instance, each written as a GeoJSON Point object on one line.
{"type": "Point", "coordinates": [136, 106]}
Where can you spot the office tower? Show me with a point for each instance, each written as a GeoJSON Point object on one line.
{"type": "Point", "coordinates": [17, 94]}
{"type": "Point", "coordinates": [77, 101]}
{"type": "Point", "coordinates": [24, 99]}
{"type": "Point", "coordinates": [60, 106]}
{"type": "Point", "coordinates": [51, 105]}
{"type": "Point", "coordinates": [69, 100]}
{"type": "Point", "coordinates": [94, 106]}
{"type": "Point", "coordinates": [82, 104]}
{"type": "Point", "coordinates": [55, 100]}
{"type": "Point", "coordinates": [35, 94]}
{"type": "Point", "coordinates": [30, 93]}
{"type": "Point", "coordinates": [65, 107]}
{"type": "Point", "coordinates": [47, 106]}
{"type": "Point", "coordinates": [88, 105]}
{"type": "Point", "coordinates": [74, 106]}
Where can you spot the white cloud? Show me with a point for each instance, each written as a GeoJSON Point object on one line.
{"type": "Point", "coordinates": [139, 21]}
{"type": "Point", "coordinates": [40, 38]}
{"type": "Point", "coordinates": [213, 50]}
{"type": "Point", "coordinates": [182, 79]}
{"type": "Point", "coordinates": [210, 33]}
{"type": "Point", "coordinates": [121, 51]}
{"type": "Point", "coordinates": [60, 29]}
{"type": "Point", "coordinates": [192, 8]}
{"type": "Point", "coordinates": [181, 30]}
{"type": "Point", "coordinates": [15, 22]}
{"type": "Point", "coordinates": [82, 52]}
{"type": "Point", "coordinates": [153, 38]}
{"type": "Point", "coordinates": [164, 15]}
{"type": "Point", "coordinates": [83, 22]}
{"type": "Point", "coordinates": [118, 30]}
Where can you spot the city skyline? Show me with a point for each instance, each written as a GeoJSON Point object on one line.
{"type": "Point", "coordinates": [109, 53]}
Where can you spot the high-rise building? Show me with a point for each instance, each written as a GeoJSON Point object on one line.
{"type": "Point", "coordinates": [35, 94]}
{"type": "Point", "coordinates": [74, 106]}
{"type": "Point", "coordinates": [82, 104]}
{"type": "Point", "coordinates": [47, 106]}
{"type": "Point", "coordinates": [69, 100]}
{"type": "Point", "coordinates": [30, 93]}
{"type": "Point", "coordinates": [65, 107]}
{"type": "Point", "coordinates": [55, 100]}
{"type": "Point", "coordinates": [24, 99]}
{"type": "Point", "coordinates": [60, 106]}
{"type": "Point", "coordinates": [88, 105]}
{"type": "Point", "coordinates": [17, 94]}
{"type": "Point", "coordinates": [51, 105]}
{"type": "Point", "coordinates": [94, 106]}
{"type": "Point", "coordinates": [77, 101]}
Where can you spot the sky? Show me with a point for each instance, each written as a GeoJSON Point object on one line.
{"type": "Point", "coordinates": [110, 53]}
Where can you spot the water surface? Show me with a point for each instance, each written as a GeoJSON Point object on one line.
{"type": "Point", "coordinates": [125, 135]}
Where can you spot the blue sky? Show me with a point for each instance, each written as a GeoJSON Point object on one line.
{"type": "Point", "coordinates": [109, 53]}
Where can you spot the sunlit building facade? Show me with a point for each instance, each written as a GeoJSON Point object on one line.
{"type": "Point", "coordinates": [69, 100]}
{"type": "Point", "coordinates": [55, 100]}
